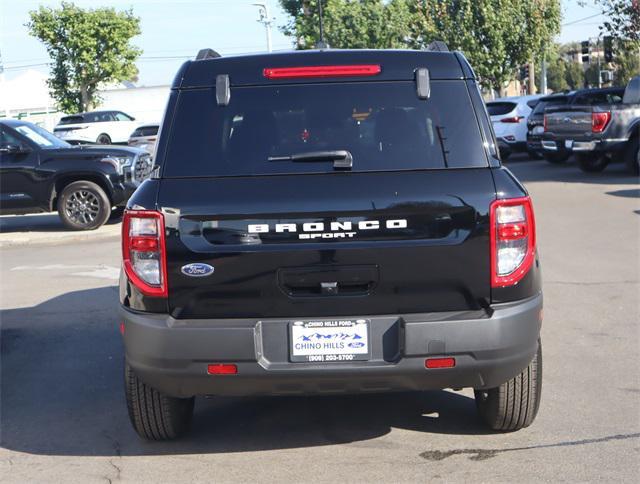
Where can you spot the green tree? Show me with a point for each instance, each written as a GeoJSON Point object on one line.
{"type": "Point", "coordinates": [356, 24]}
{"type": "Point", "coordinates": [574, 75]}
{"type": "Point", "coordinates": [591, 75]}
{"type": "Point", "coordinates": [496, 35]}
{"type": "Point", "coordinates": [87, 47]}
{"type": "Point", "coordinates": [626, 64]}
{"type": "Point", "coordinates": [557, 75]}
{"type": "Point", "coordinates": [622, 19]}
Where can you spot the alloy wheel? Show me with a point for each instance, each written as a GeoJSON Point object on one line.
{"type": "Point", "coordinates": [82, 207]}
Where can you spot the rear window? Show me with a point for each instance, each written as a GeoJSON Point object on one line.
{"type": "Point", "coordinates": [71, 120]}
{"type": "Point", "coordinates": [555, 101]}
{"type": "Point", "coordinates": [145, 131]}
{"type": "Point", "coordinates": [382, 124]}
{"type": "Point", "coordinates": [500, 108]}
{"type": "Point", "coordinates": [600, 97]}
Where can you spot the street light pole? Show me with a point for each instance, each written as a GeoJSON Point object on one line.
{"type": "Point", "coordinates": [266, 20]}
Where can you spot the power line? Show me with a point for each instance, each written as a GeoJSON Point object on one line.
{"type": "Point", "coordinates": [582, 19]}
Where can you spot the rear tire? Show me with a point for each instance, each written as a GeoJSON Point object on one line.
{"type": "Point", "coordinates": [592, 162]}
{"type": "Point", "coordinates": [534, 155]}
{"type": "Point", "coordinates": [632, 156]}
{"type": "Point", "coordinates": [514, 404]}
{"type": "Point", "coordinates": [154, 415]}
{"type": "Point", "coordinates": [556, 158]}
{"type": "Point", "coordinates": [83, 205]}
{"type": "Point", "coordinates": [103, 139]}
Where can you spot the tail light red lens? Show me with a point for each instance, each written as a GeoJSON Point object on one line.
{"type": "Point", "coordinates": [321, 71]}
{"type": "Point", "coordinates": [513, 240]}
{"type": "Point", "coordinates": [143, 251]}
{"type": "Point", "coordinates": [439, 363]}
{"type": "Point", "coordinates": [544, 123]}
{"type": "Point", "coordinates": [514, 119]}
{"type": "Point", "coordinates": [599, 121]}
{"type": "Point", "coordinates": [222, 369]}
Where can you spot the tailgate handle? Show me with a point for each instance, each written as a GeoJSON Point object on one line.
{"type": "Point", "coordinates": [329, 288]}
{"type": "Point", "coordinates": [328, 281]}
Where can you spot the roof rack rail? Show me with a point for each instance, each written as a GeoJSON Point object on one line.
{"type": "Point", "coordinates": [204, 54]}
{"type": "Point", "coordinates": [438, 46]}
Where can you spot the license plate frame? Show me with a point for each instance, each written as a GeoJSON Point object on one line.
{"type": "Point", "coordinates": [350, 340]}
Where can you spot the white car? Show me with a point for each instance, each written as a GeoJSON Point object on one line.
{"type": "Point", "coordinates": [145, 137]}
{"type": "Point", "coordinates": [101, 127]}
{"type": "Point", "coordinates": [509, 118]}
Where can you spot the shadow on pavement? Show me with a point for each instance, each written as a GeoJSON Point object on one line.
{"type": "Point", "coordinates": [631, 193]}
{"type": "Point", "coordinates": [45, 222]}
{"type": "Point", "coordinates": [527, 171]}
{"type": "Point", "coordinates": [62, 394]}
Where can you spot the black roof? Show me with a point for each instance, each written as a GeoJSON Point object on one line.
{"type": "Point", "coordinates": [395, 65]}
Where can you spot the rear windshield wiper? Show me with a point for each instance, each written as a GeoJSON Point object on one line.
{"type": "Point", "coordinates": [342, 159]}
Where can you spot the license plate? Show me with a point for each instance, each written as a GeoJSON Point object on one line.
{"type": "Point", "coordinates": [538, 130]}
{"type": "Point", "coordinates": [568, 144]}
{"type": "Point", "coordinates": [329, 340]}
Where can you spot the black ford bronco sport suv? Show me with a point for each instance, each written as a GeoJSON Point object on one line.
{"type": "Point", "coordinates": [323, 222]}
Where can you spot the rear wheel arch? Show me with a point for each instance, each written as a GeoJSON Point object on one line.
{"type": "Point", "coordinates": [65, 180]}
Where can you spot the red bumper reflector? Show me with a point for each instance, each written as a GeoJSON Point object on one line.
{"type": "Point", "coordinates": [321, 71]}
{"type": "Point", "coordinates": [122, 328]}
{"type": "Point", "coordinates": [222, 369]}
{"type": "Point", "coordinates": [439, 362]}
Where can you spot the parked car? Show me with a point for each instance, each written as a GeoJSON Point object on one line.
{"type": "Point", "coordinates": [41, 173]}
{"type": "Point", "coordinates": [535, 127]}
{"type": "Point", "coordinates": [96, 127]}
{"type": "Point", "coordinates": [329, 222]}
{"type": "Point", "coordinates": [144, 137]}
{"type": "Point", "coordinates": [597, 127]}
{"type": "Point", "coordinates": [509, 118]}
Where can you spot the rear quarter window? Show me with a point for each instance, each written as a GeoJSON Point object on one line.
{"type": "Point", "coordinates": [382, 124]}
{"type": "Point", "coordinates": [500, 108]}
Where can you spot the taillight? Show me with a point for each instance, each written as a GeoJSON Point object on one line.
{"type": "Point", "coordinates": [599, 121]}
{"type": "Point", "coordinates": [544, 123]}
{"type": "Point", "coordinates": [514, 119]}
{"type": "Point", "coordinates": [513, 240]}
{"type": "Point", "coordinates": [321, 71]}
{"type": "Point", "coordinates": [143, 251]}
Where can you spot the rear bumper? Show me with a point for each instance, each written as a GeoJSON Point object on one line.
{"type": "Point", "coordinates": [513, 144]}
{"type": "Point", "coordinates": [172, 355]}
{"type": "Point", "coordinates": [588, 145]}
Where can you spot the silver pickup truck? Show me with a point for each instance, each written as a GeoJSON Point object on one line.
{"type": "Point", "coordinates": [597, 134]}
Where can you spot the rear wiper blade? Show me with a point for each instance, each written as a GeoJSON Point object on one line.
{"type": "Point", "coordinates": [342, 159]}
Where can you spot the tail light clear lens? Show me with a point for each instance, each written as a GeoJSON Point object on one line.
{"type": "Point", "coordinates": [599, 121]}
{"type": "Point", "coordinates": [513, 240]}
{"type": "Point", "coordinates": [143, 251]}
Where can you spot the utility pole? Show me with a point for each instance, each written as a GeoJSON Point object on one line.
{"type": "Point", "coordinates": [321, 44]}
{"type": "Point", "coordinates": [543, 81]}
{"type": "Point", "coordinates": [532, 79]}
{"type": "Point", "coordinates": [266, 20]}
{"type": "Point", "coordinates": [598, 56]}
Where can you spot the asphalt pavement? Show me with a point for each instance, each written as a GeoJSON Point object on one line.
{"type": "Point", "coordinates": [63, 415]}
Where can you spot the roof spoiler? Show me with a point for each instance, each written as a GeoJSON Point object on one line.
{"type": "Point", "coordinates": [437, 46]}
{"type": "Point", "coordinates": [204, 54]}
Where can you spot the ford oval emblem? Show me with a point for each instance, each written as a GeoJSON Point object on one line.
{"type": "Point", "coordinates": [197, 269]}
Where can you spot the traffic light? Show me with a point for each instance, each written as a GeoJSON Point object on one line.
{"type": "Point", "coordinates": [524, 72]}
{"type": "Point", "coordinates": [608, 48]}
{"type": "Point", "coordinates": [585, 51]}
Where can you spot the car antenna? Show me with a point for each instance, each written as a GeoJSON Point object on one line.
{"type": "Point", "coordinates": [321, 44]}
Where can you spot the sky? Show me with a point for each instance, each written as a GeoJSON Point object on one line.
{"type": "Point", "coordinates": [174, 30]}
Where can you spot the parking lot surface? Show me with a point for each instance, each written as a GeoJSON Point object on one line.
{"type": "Point", "coordinates": [63, 415]}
